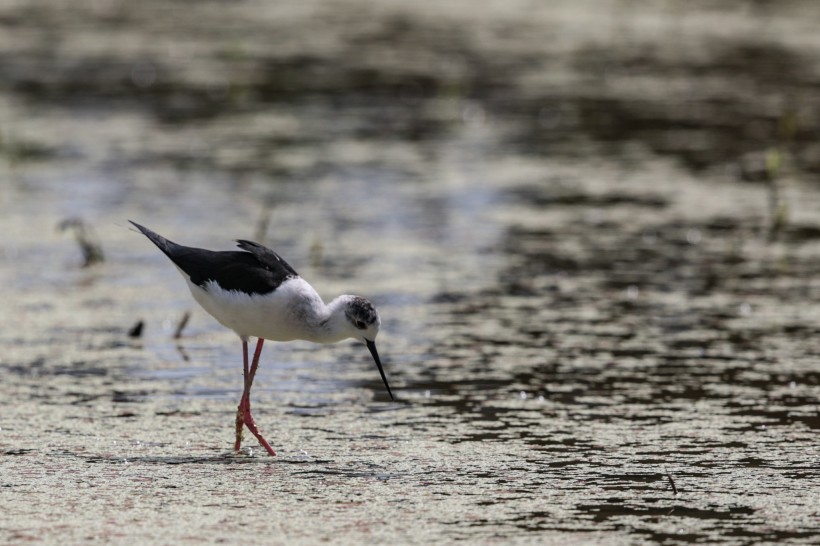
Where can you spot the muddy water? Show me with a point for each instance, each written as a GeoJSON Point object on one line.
{"type": "Point", "coordinates": [591, 230]}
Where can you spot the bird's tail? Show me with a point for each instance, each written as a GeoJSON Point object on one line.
{"type": "Point", "coordinates": [166, 246]}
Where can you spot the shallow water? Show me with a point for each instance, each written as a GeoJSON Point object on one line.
{"type": "Point", "coordinates": [591, 231]}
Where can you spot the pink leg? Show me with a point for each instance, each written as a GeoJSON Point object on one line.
{"type": "Point", "coordinates": [240, 411]}
{"type": "Point", "coordinates": [245, 403]}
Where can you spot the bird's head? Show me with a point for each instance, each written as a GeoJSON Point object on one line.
{"type": "Point", "coordinates": [362, 319]}
{"type": "Point", "coordinates": [362, 322]}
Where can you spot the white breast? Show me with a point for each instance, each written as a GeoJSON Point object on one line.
{"type": "Point", "coordinates": [292, 311]}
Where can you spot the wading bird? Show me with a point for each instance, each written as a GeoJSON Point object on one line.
{"type": "Point", "coordinates": [256, 293]}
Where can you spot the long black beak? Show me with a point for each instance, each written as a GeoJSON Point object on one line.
{"type": "Point", "coordinates": [372, 346]}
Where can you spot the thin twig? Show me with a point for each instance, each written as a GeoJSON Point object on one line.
{"type": "Point", "coordinates": [86, 239]}
{"type": "Point", "coordinates": [181, 324]}
{"type": "Point", "coordinates": [672, 483]}
{"type": "Point", "coordinates": [261, 230]}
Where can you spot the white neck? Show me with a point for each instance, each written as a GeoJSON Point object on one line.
{"type": "Point", "coordinates": [320, 322]}
{"type": "Point", "coordinates": [331, 324]}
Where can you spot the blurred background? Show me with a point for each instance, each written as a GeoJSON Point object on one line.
{"type": "Point", "coordinates": [595, 212]}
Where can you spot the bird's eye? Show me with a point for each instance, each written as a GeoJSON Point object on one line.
{"type": "Point", "coordinates": [360, 325]}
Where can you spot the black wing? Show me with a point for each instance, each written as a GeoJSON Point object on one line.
{"type": "Point", "coordinates": [267, 257]}
{"type": "Point", "coordinates": [259, 270]}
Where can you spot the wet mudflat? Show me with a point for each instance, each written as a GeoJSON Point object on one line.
{"type": "Point", "coordinates": [591, 230]}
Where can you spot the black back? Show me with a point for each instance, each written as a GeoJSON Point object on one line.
{"type": "Point", "coordinates": [257, 270]}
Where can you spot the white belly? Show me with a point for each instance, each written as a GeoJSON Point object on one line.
{"type": "Point", "coordinates": [292, 311]}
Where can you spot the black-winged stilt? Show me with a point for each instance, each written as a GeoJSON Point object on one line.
{"type": "Point", "coordinates": [256, 293]}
